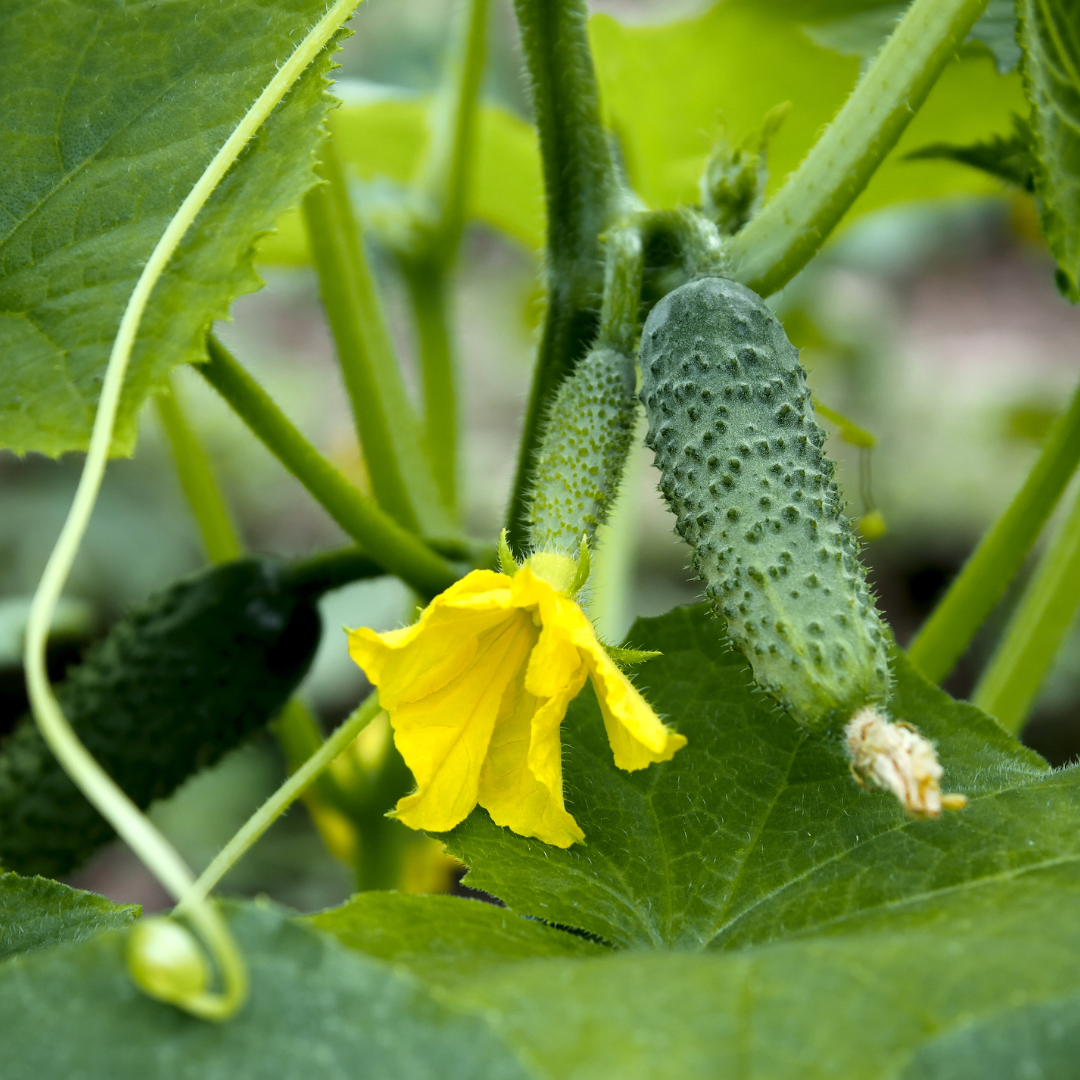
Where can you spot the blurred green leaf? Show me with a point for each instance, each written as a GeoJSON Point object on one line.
{"type": "Point", "coordinates": [996, 29]}
{"type": "Point", "coordinates": [1050, 39]}
{"type": "Point", "coordinates": [113, 113]}
{"type": "Point", "coordinates": [1009, 158]}
{"type": "Point", "coordinates": [445, 938]}
{"type": "Point", "coordinates": [316, 1009]}
{"type": "Point", "coordinates": [384, 141]}
{"type": "Point", "coordinates": [755, 831]}
{"type": "Point", "coordinates": [36, 912]}
{"type": "Point", "coordinates": [666, 89]}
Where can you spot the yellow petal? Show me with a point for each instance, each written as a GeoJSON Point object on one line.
{"type": "Point", "coordinates": [636, 734]}
{"type": "Point", "coordinates": [521, 781]}
{"type": "Point", "coordinates": [444, 737]}
{"type": "Point", "coordinates": [411, 663]}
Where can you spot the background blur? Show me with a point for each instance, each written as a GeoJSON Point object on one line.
{"type": "Point", "coordinates": [937, 327]}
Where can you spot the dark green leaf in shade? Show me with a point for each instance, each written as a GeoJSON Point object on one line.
{"type": "Point", "coordinates": [112, 112]}
{"type": "Point", "coordinates": [755, 830]}
{"type": "Point", "coordinates": [446, 938]}
{"type": "Point", "coordinates": [1008, 157]}
{"type": "Point", "coordinates": [316, 1010]}
{"type": "Point", "coordinates": [37, 912]}
{"type": "Point", "coordinates": [1050, 37]}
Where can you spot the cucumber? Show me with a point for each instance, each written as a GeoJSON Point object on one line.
{"type": "Point", "coordinates": [742, 467]}
{"type": "Point", "coordinates": [580, 460]}
{"type": "Point", "coordinates": [182, 679]}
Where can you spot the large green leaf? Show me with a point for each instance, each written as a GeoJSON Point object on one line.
{"type": "Point", "coordinates": [36, 912]}
{"type": "Point", "coordinates": [445, 937]}
{"type": "Point", "coordinates": [981, 983]}
{"type": "Point", "coordinates": [1050, 37]}
{"type": "Point", "coordinates": [316, 1009]}
{"type": "Point", "coordinates": [665, 89]}
{"type": "Point", "coordinates": [754, 830]}
{"type": "Point", "coordinates": [112, 111]}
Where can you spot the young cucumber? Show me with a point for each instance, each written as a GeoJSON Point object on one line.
{"type": "Point", "coordinates": [580, 460]}
{"type": "Point", "coordinates": [740, 455]}
{"type": "Point", "coordinates": [182, 679]}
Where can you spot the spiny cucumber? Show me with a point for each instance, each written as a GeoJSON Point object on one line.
{"type": "Point", "coordinates": [183, 678]}
{"type": "Point", "coordinates": [586, 439]}
{"type": "Point", "coordinates": [742, 466]}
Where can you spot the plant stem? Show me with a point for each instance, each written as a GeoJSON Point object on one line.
{"type": "Point", "coordinates": [280, 801]}
{"type": "Point", "coordinates": [1000, 554]}
{"type": "Point", "coordinates": [448, 171]}
{"type": "Point", "coordinates": [1032, 640]}
{"type": "Point", "coordinates": [795, 222]}
{"type": "Point", "coordinates": [219, 536]}
{"type": "Point", "coordinates": [582, 191]}
{"type": "Point", "coordinates": [400, 472]}
{"type": "Point", "coordinates": [399, 551]}
{"type": "Point", "coordinates": [428, 286]}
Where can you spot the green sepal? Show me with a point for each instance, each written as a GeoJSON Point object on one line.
{"type": "Point", "coordinates": [624, 657]}
{"type": "Point", "coordinates": [507, 563]}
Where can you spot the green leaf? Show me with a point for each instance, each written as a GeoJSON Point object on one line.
{"type": "Point", "coordinates": [1050, 37]}
{"type": "Point", "coordinates": [385, 139]}
{"type": "Point", "coordinates": [977, 983]}
{"type": "Point", "coordinates": [316, 1009]}
{"type": "Point", "coordinates": [36, 912]}
{"type": "Point", "coordinates": [446, 938]}
{"type": "Point", "coordinates": [996, 29]}
{"type": "Point", "coordinates": [1009, 158]}
{"type": "Point", "coordinates": [755, 830]}
{"type": "Point", "coordinates": [115, 112]}
{"type": "Point", "coordinates": [666, 87]}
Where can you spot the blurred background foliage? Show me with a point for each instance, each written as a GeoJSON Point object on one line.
{"type": "Point", "coordinates": [931, 320]}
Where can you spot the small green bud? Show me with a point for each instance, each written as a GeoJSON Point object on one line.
{"type": "Point", "coordinates": [166, 962]}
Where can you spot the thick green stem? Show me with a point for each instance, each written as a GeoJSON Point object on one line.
{"type": "Point", "coordinates": [582, 191]}
{"type": "Point", "coordinates": [796, 221]}
{"type": "Point", "coordinates": [400, 552]}
{"type": "Point", "coordinates": [428, 285]}
{"type": "Point", "coordinates": [1031, 642]}
{"type": "Point", "coordinates": [400, 472]}
{"type": "Point", "coordinates": [219, 536]}
{"type": "Point", "coordinates": [994, 563]}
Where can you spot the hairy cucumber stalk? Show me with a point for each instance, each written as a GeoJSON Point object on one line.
{"type": "Point", "coordinates": [590, 425]}
{"type": "Point", "coordinates": [740, 454]}
{"type": "Point", "coordinates": [185, 677]}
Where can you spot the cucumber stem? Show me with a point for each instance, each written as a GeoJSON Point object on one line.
{"type": "Point", "coordinates": [796, 221]}
{"type": "Point", "coordinates": [400, 552]}
{"type": "Point", "coordinates": [429, 289]}
{"type": "Point", "coordinates": [581, 190]}
{"type": "Point", "coordinates": [155, 851]}
{"type": "Point", "coordinates": [281, 800]}
{"type": "Point", "coordinates": [1027, 650]}
{"type": "Point", "coordinates": [216, 527]}
{"type": "Point", "coordinates": [980, 585]}
{"type": "Point", "coordinates": [389, 432]}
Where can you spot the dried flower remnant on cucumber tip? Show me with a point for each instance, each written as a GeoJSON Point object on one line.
{"type": "Point", "coordinates": [742, 466]}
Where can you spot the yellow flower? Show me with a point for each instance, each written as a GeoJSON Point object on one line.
{"type": "Point", "coordinates": [476, 691]}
